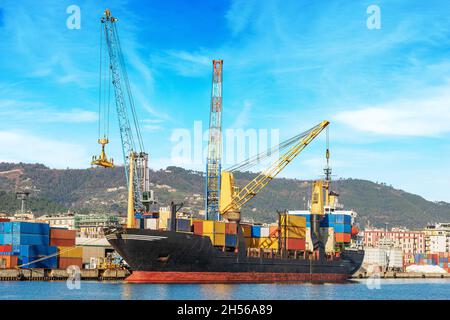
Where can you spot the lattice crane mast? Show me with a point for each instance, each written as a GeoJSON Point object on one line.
{"type": "Point", "coordinates": [213, 161]}
{"type": "Point", "coordinates": [134, 156]}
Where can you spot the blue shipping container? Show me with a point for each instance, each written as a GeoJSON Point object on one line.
{"type": "Point", "coordinates": [34, 250]}
{"type": "Point", "coordinates": [25, 227]}
{"type": "Point", "coordinates": [342, 218]}
{"type": "Point", "coordinates": [343, 228]}
{"type": "Point", "coordinates": [22, 238]}
{"type": "Point", "coordinates": [230, 240]}
{"type": "Point", "coordinates": [50, 263]}
{"type": "Point", "coordinates": [256, 231]}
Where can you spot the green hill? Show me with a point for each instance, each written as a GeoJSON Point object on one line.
{"type": "Point", "coordinates": [103, 190]}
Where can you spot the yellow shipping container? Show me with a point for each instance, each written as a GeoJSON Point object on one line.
{"type": "Point", "coordinates": [70, 252]}
{"type": "Point", "coordinates": [294, 232]}
{"type": "Point", "coordinates": [208, 227]}
{"type": "Point", "coordinates": [219, 239]}
{"type": "Point", "coordinates": [219, 227]}
{"type": "Point", "coordinates": [293, 221]}
{"type": "Point", "coordinates": [163, 217]}
{"type": "Point", "coordinates": [267, 243]}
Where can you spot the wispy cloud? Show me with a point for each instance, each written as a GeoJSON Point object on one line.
{"type": "Point", "coordinates": [187, 64]}
{"type": "Point", "coordinates": [425, 116]}
{"type": "Point", "coordinates": [40, 150]}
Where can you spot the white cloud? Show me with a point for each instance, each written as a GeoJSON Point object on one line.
{"type": "Point", "coordinates": [184, 63]}
{"type": "Point", "coordinates": [426, 116]}
{"type": "Point", "coordinates": [22, 146]}
{"type": "Point", "coordinates": [40, 112]}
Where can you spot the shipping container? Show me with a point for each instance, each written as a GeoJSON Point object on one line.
{"type": "Point", "coordinates": [34, 250]}
{"type": "Point", "coordinates": [343, 228]}
{"type": "Point", "coordinates": [273, 230]}
{"type": "Point", "coordinates": [293, 232]}
{"type": "Point", "coordinates": [198, 227]}
{"type": "Point", "coordinates": [4, 220]}
{"type": "Point", "coordinates": [163, 217]}
{"type": "Point", "coordinates": [208, 226]}
{"type": "Point", "coordinates": [65, 262]}
{"type": "Point", "coordinates": [342, 237]}
{"type": "Point", "coordinates": [256, 232]}
{"type": "Point", "coordinates": [8, 262]}
{"type": "Point", "coordinates": [183, 225]}
{"type": "Point", "coordinates": [231, 228]}
{"type": "Point", "coordinates": [219, 227]}
{"type": "Point", "coordinates": [230, 240]}
{"type": "Point", "coordinates": [25, 227]}
{"type": "Point", "coordinates": [70, 252]}
{"type": "Point", "coordinates": [93, 252]}
{"type": "Point", "coordinates": [295, 244]}
{"type": "Point", "coordinates": [151, 223]}
{"type": "Point", "coordinates": [6, 248]}
{"type": "Point", "coordinates": [62, 242]}
{"type": "Point", "coordinates": [293, 221]}
{"type": "Point", "coordinates": [265, 243]}
{"type": "Point", "coordinates": [219, 239]}
{"type": "Point", "coordinates": [57, 233]}
{"type": "Point", "coordinates": [341, 218]}
{"type": "Point", "coordinates": [22, 238]}
{"type": "Point", "coordinates": [32, 263]}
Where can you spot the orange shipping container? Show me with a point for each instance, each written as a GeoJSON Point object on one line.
{"type": "Point", "coordinates": [342, 237]}
{"type": "Point", "coordinates": [62, 242]}
{"type": "Point", "coordinates": [8, 262]}
{"type": "Point", "coordinates": [295, 244]}
{"type": "Point", "coordinates": [64, 263]}
{"type": "Point", "coordinates": [246, 230]}
{"type": "Point", "coordinates": [56, 233]}
{"type": "Point", "coordinates": [273, 229]}
{"type": "Point", "coordinates": [198, 227]}
{"type": "Point", "coordinates": [231, 228]}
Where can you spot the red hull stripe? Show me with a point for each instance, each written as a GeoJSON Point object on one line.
{"type": "Point", "coordinates": [230, 277]}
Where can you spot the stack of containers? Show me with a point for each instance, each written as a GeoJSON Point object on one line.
{"type": "Point", "coordinates": [231, 239]}
{"type": "Point", "coordinates": [293, 228]}
{"type": "Point", "coordinates": [247, 233]}
{"type": "Point", "coordinates": [221, 234]}
{"type": "Point", "coordinates": [29, 242]}
{"type": "Point", "coordinates": [8, 258]}
{"type": "Point", "coordinates": [435, 259]}
{"type": "Point", "coordinates": [342, 224]}
{"type": "Point", "coordinates": [261, 237]}
{"type": "Point", "coordinates": [68, 253]}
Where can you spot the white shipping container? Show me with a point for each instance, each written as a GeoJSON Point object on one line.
{"type": "Point", "coordinates": [265, 232]}
{"type": "Point", "coordinates": [395, 258]}
{"type": "Point", "coordinates": [151, 223]}
{"type": "Point", "coordinates": [375, 256]}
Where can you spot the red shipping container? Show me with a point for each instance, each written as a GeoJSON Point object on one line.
{"type": "Point", "coordinates": [4, 220]}
{"type": "Point", "coordinates": [64, 263]}
{"type": "Point", "coordinates": [231, 228]}
{"type": "Point", "coordinates": [295, 244]}
{"type": "Point", "coordinates": [198, 227]}
{"type": "Point", "coordinates": [62, 242]}
{"type": "Point", "coordinates": [56, 233]}
{"type": "Point", "coordinates": [8, 262]}
{"type": "Point", "coordinates": [342, 237]}
{"type": "Point", "coordinates": [6, 248]}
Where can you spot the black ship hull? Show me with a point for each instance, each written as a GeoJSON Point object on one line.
{"type": "Point", "coordinates": [175, 257]}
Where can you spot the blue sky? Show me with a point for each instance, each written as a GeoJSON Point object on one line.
{"type": "Point", "coordinates": [287, 66]}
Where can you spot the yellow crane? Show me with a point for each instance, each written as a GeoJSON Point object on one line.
{"type": "Point", "coordinates": [233, 198]}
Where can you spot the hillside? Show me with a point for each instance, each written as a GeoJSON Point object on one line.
{"type": "Point", "coordinates": [103, 190]}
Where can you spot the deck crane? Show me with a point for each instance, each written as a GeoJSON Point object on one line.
{"type": "Point", "coordinates": [213, 161]}
{"type": "Point", "coordinates": [134, 156]}
{"type": "Point", "coordinates": [233, 198]}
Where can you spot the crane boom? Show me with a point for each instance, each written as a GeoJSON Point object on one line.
{"type": "Point", "coordinates": [132, 151]}
{"type": "Point", "coordinates": [232, 200]}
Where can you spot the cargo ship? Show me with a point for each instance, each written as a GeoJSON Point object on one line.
{"type": "Point", "coordinates": [179, 257]}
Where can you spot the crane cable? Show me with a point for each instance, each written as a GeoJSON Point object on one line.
{"type": "Point", "coordinates": [258, 158]}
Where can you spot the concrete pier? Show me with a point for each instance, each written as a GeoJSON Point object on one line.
{"type": "Point", "coordinates": [61, 274]}
{"type": "Point", "coordinates": [403, 275]}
